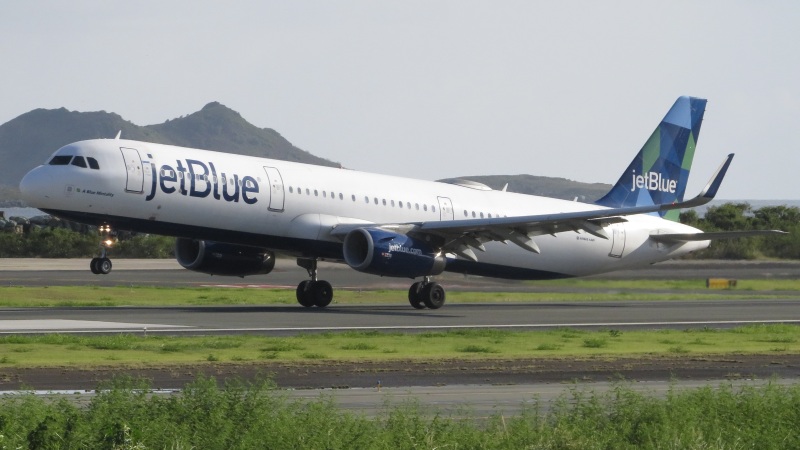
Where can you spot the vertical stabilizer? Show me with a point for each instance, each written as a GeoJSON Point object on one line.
{"type": "Point", "coordinates": [659, 173]}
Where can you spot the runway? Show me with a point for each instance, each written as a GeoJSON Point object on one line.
{"type": "Point", "coordinates": [286, 320]}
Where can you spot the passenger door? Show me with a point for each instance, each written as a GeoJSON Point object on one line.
{"type": "Point", "coordinates": [276, 197]}
{"type": "Point", "coordinates": [133, 167]}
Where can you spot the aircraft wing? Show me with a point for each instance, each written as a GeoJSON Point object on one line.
{"type": "Point", "coordinates": [463, 236]}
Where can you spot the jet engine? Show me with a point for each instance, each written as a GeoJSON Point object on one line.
{"type": "Point", "coordinates": [216, 258]}
{"type": "Point", "coordinates": [381, 252]}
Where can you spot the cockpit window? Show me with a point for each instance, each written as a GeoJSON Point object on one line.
{"type": "Point", "coordinates": [79, 161]}
{"type": "Point", "coordinates": [92, 162]}
{"type": "Point", "coordinates": [60, 160]}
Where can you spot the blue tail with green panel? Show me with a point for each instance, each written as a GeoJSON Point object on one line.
{"type": "Point", "coordinates": [659, 173]}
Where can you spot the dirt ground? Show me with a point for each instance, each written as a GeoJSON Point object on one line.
{"type": "Point", "coordinates": [334, 374]}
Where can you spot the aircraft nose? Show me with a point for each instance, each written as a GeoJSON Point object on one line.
{"type": "Point", "coordinates": [33, 187]}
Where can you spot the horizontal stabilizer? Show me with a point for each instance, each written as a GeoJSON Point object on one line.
{"type": "Point", "coordinates": [688, 237]}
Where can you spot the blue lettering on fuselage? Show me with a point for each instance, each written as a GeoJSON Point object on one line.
{"type": "Point", "coordinates": [198, 179]}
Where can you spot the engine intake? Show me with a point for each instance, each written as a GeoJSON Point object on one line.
{"type": "Point", "coordinates": [216, 258]}
{"type": "Point", "coordinates": [381, 252]}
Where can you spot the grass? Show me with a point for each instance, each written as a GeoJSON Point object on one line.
{"type": "Point", "coordinates": [576, 290]}
{"type": "Point", "coordinates": [204, 415]}
{"type": "Point", "coordinates": [55, 350]}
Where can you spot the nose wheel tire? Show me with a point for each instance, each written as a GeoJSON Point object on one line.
{"type": "Point", "coordinates": [100, 266]}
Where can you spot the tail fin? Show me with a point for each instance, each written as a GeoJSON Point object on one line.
{"type": "Point", "coordinates": [659, 172]}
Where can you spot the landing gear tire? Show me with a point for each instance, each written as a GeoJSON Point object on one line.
{"type": "Point", "coordinates": [415, 297]}
{"type": "Point", "coordinates": [433, 295]}
{"type": "Point", "coordinates": [321, 293]}
{"type": "Point", "coordinates": [93, 266]}
{"type": "Point", "coordinates": [314, 293]}
{"type": "Point", "coordinates": [104, 266]}
{"type": "Point", "coordinates": [100, 266]}
{"type": "Point", "coordinates": [303, 296]}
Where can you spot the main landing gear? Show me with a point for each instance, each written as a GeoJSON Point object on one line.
{"type": "Point", "coordinates": [319, 293]}
{"type": "Point", "coordinates": [102, 265]}
{"type": "Point", "coordinates": [313, 292]}
{"type": "Point", "coordinates": [426, 293]}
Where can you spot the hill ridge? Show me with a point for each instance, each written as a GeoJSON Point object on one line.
{"type": "Point", "coordinates": [29, 139]}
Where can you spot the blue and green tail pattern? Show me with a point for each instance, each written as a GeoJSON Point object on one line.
{"type": "Point", "coordinates": [659, 173]}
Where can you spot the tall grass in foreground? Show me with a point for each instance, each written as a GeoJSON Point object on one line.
{"type": "Point", "coordinates": [255, 415]}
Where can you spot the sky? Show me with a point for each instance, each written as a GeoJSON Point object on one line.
{"type": "Point", "coordinates": [435, 89]}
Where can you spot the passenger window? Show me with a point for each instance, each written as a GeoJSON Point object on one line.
{"type": "Point", "coordinates": [79, 161]}
{"type": "Point", "coordinates": [93, 163]}
{"type": "Point", "coordinates": [291, 190]}
{"type": "Point", "coordinates": [392, 203]}
{"type": "Point", "coordinates": [341, 197]}
{"type": "Point", "coordinates": [60, 160]}
{"type": "Point", "coordinates": [433, 208]}
{"type": "Point", "coordinates": [425, 207]}
{"type": "Point", "coordinates": [417, 205]}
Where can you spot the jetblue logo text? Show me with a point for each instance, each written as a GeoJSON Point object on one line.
{"type": "Point", "coordinates": [652, 181]}
{"type": "Point", "coordinates": [403, 249]}
{"type": "Point", "coordinates": [198, 179]}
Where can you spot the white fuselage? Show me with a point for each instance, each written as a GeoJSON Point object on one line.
{"type": "Point", "coordinates": [292, 208]}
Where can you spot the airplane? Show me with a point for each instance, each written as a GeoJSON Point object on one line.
{"type": "Point", "coordinates": [231, 214]}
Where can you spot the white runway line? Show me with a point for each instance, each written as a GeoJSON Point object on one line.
{"type": "Point", "coordinates": [75, 325]}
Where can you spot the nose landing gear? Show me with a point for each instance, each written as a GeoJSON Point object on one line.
{"type": "Point", "coordinates": [102, 265]}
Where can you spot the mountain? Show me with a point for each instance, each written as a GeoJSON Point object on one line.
{"type": "Point", "coordinates": [28, 140]}
{"type": "Point", "coordinates": [545, 186]}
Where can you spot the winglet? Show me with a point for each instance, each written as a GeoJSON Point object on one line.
{"type": "Point", "coordinates": [710, 190]}
{"type": "Point", "coordinates": [119, 133]}
{"type": "Point", "coordinates": [713, 185]}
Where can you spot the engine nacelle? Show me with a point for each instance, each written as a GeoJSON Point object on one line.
{"type": "Point", "coordinates": [216, 258]}
{"type": "Point", "coordinates": [385, 253]}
